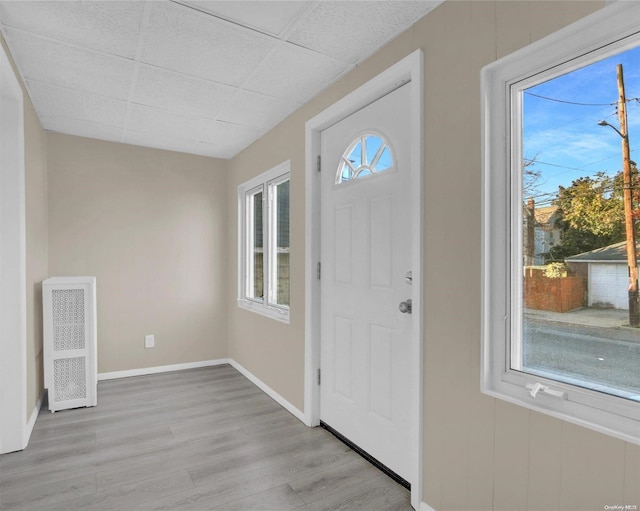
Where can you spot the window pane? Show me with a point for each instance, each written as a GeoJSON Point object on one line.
{"type": "Point", "coordinates": [576, 320]}
{"type": "Point", "coordinates": [281, 270]}
{"type": "Point", "coordinates": [356, 155]}
{"type": "Point", "coordinates": [365, 156]}
{"type": "Point", "coordinates": [373, 144]}
{"type": "Point", "coordinates": [256, 256]}
{"type": "Point", "coordinates": [385, 160]}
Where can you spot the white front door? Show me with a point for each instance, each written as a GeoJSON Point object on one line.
{"type": "Point", "coordinates": [366, 226]}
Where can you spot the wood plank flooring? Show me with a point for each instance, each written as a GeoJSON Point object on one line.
{"type": "Point", "coordinates": [202, 439]}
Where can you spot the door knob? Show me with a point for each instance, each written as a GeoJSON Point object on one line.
{"type": "Point", "coordinates": [405, 307]}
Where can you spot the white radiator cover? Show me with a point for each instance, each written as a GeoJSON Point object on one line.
{"type": "Point", "coordinates": [70, 342]}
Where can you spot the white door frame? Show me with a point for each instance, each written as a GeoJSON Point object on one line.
{"type": "Point", "coordinates": [13, 282]}
{"type": "Point", "coordinates": [409, 69]}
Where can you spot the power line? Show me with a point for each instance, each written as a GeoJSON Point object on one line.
{"type": "Point", "coordinates": [569, 102]}
{"type": "Point", "coordinates": [559, 166]}
{"type": "Point", "coordinates": [547, 199]}
{"type": "Point", "coordinates": [599, 161]}
{"type": "Point", "coordinates": [581, 169]}
{"type": "Point", "coordinates": [578, 103]}
{"type": "Point", "coordinates": [564, 166]}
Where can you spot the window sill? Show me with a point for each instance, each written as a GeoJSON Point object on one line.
{"type": "Point", "coordinates": [569, 407]}
{"type": "Point", "coordinates": [277, 313]}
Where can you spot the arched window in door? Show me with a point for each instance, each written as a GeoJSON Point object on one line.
{"type": "Point", "coordinates": [367, 155]}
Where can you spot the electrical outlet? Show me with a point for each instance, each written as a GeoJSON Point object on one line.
{"type": "Point", "coordinates": [149, 341]}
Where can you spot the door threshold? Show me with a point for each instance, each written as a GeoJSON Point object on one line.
{"type": "Point", "coordinates": [379, 465]}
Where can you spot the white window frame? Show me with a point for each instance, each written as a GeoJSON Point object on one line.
{"type": "Point", "coordinates": [611, 30]}
{"type": "Point", "coordinates": [265, 182]}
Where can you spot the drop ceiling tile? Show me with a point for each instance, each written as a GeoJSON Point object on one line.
{"type": "Point", "coordinates": [232, 135]}
{"type": "Point", "coordinates": [253, 109]}
{"type": "Point", "coordinates": [270, 17]}
{"type": "Point", "coordinates": [180, 93]}
{"type": "Point", "coordinates": [58, 64]}
{"type": "Point", "coordinates": [166, 124]}
{"type": "Point", "coordinates": [330, 26]}
{"type": "Point", "coordinates": [294, 73]}
{"type": "Point", "coordinates": [146, 139]}
{"type": "Point", "coordinates": [52, 102]}
{"type": "Point", "coordinates": [81, 128]}
{"type": "Point", "coordinates": [77, 59]}
{"type": "Point", "coordinates": [191, 42]}
{"type": "Point", "coordinates": [110, 27]}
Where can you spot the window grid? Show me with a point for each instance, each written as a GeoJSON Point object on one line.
{"type": "Point", "coordinates": [264, 244]}
{"type": "Point", "coordinates": [365, 156]}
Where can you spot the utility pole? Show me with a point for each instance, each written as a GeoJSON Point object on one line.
{"type": "Point", "coordinates": [530, 251]}
{"type": "Point", "coordinates": [632, 262]}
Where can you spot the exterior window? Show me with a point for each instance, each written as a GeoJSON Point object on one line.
{"type": "Point", "coordinates": [263, 207]}
{"type": "Point", "coordinates": [366, 155]}
{"type": "Point", "coordinates": [573, 204]}
{"type": "Point", "coordinates": [555, 337]}
{"type": "Point", "coordinates": [255, 261]}
{"type": "Point", "coordinates": [279, 191]}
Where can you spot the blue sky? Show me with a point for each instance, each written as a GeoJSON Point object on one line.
{"type": "Point", "coordinates": [566, 138]}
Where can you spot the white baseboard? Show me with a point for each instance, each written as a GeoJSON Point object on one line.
{"type": "Point", "coordinates": [269, 391]}
{"type": "Point", "coordinates": [179, 367]}
{"type": "Point", "coordinates": [32, 420]}
{"type": "Point", "coordinates": [162, 369]}
{"type": "Point", "coordinates": [425, 507]}
{"type": "Point", "coordinates": [207, 363]}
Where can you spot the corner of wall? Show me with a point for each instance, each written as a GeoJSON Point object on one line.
{"type": "Point", "coordinates": [36, 227]}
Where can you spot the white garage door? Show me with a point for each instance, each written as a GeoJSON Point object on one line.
{"type": "Point", "coordinates": [608, 285]}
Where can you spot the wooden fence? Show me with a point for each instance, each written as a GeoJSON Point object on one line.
{"type": "Point", "coordinates": [561, 294]}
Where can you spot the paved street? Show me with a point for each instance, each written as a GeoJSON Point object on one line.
{"type": "Point", "coordinates": [609, 356]}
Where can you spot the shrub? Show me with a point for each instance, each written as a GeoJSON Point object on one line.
{"type": "Point", "coordinates": [555, 270]}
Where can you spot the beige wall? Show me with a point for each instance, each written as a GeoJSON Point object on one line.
{"type": "Point", "coordinates": [479, 452]}
{"type": "Point", "coordinates": [35, 142]}
{"type": "Point", "coordinates": [271, 350]}
{"type": "Point", "coordinates": [151, 226]}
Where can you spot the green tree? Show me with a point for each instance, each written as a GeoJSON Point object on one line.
{"type": "Point", "coordinates": [591, 215]}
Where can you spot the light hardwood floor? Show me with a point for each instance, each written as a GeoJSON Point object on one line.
{"type": "Point", "coordinates": [202, 439]}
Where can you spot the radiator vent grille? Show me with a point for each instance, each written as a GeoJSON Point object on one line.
{"type": "Point", "coordinates": [69, 378]}
{"type": "Point", "coordinates": [68, 319]}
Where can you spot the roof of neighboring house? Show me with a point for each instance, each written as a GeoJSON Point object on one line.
{"type": "Point", "coordinates": [613, 253]}
{"type": "Point", "coordinates": [544, 215]}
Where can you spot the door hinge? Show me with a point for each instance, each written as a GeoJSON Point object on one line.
{"type": "Point", "coordinates": [319, 270]}
{"type": "Point", "coordinates": [319, 377]}
{"type": "Point", "coordinates": [318, 163]}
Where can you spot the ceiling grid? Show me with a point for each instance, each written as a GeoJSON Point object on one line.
{"type": "Point", "coordinates": [144, 23]}
{"type": "Point", "coordinates": [200, 77]}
